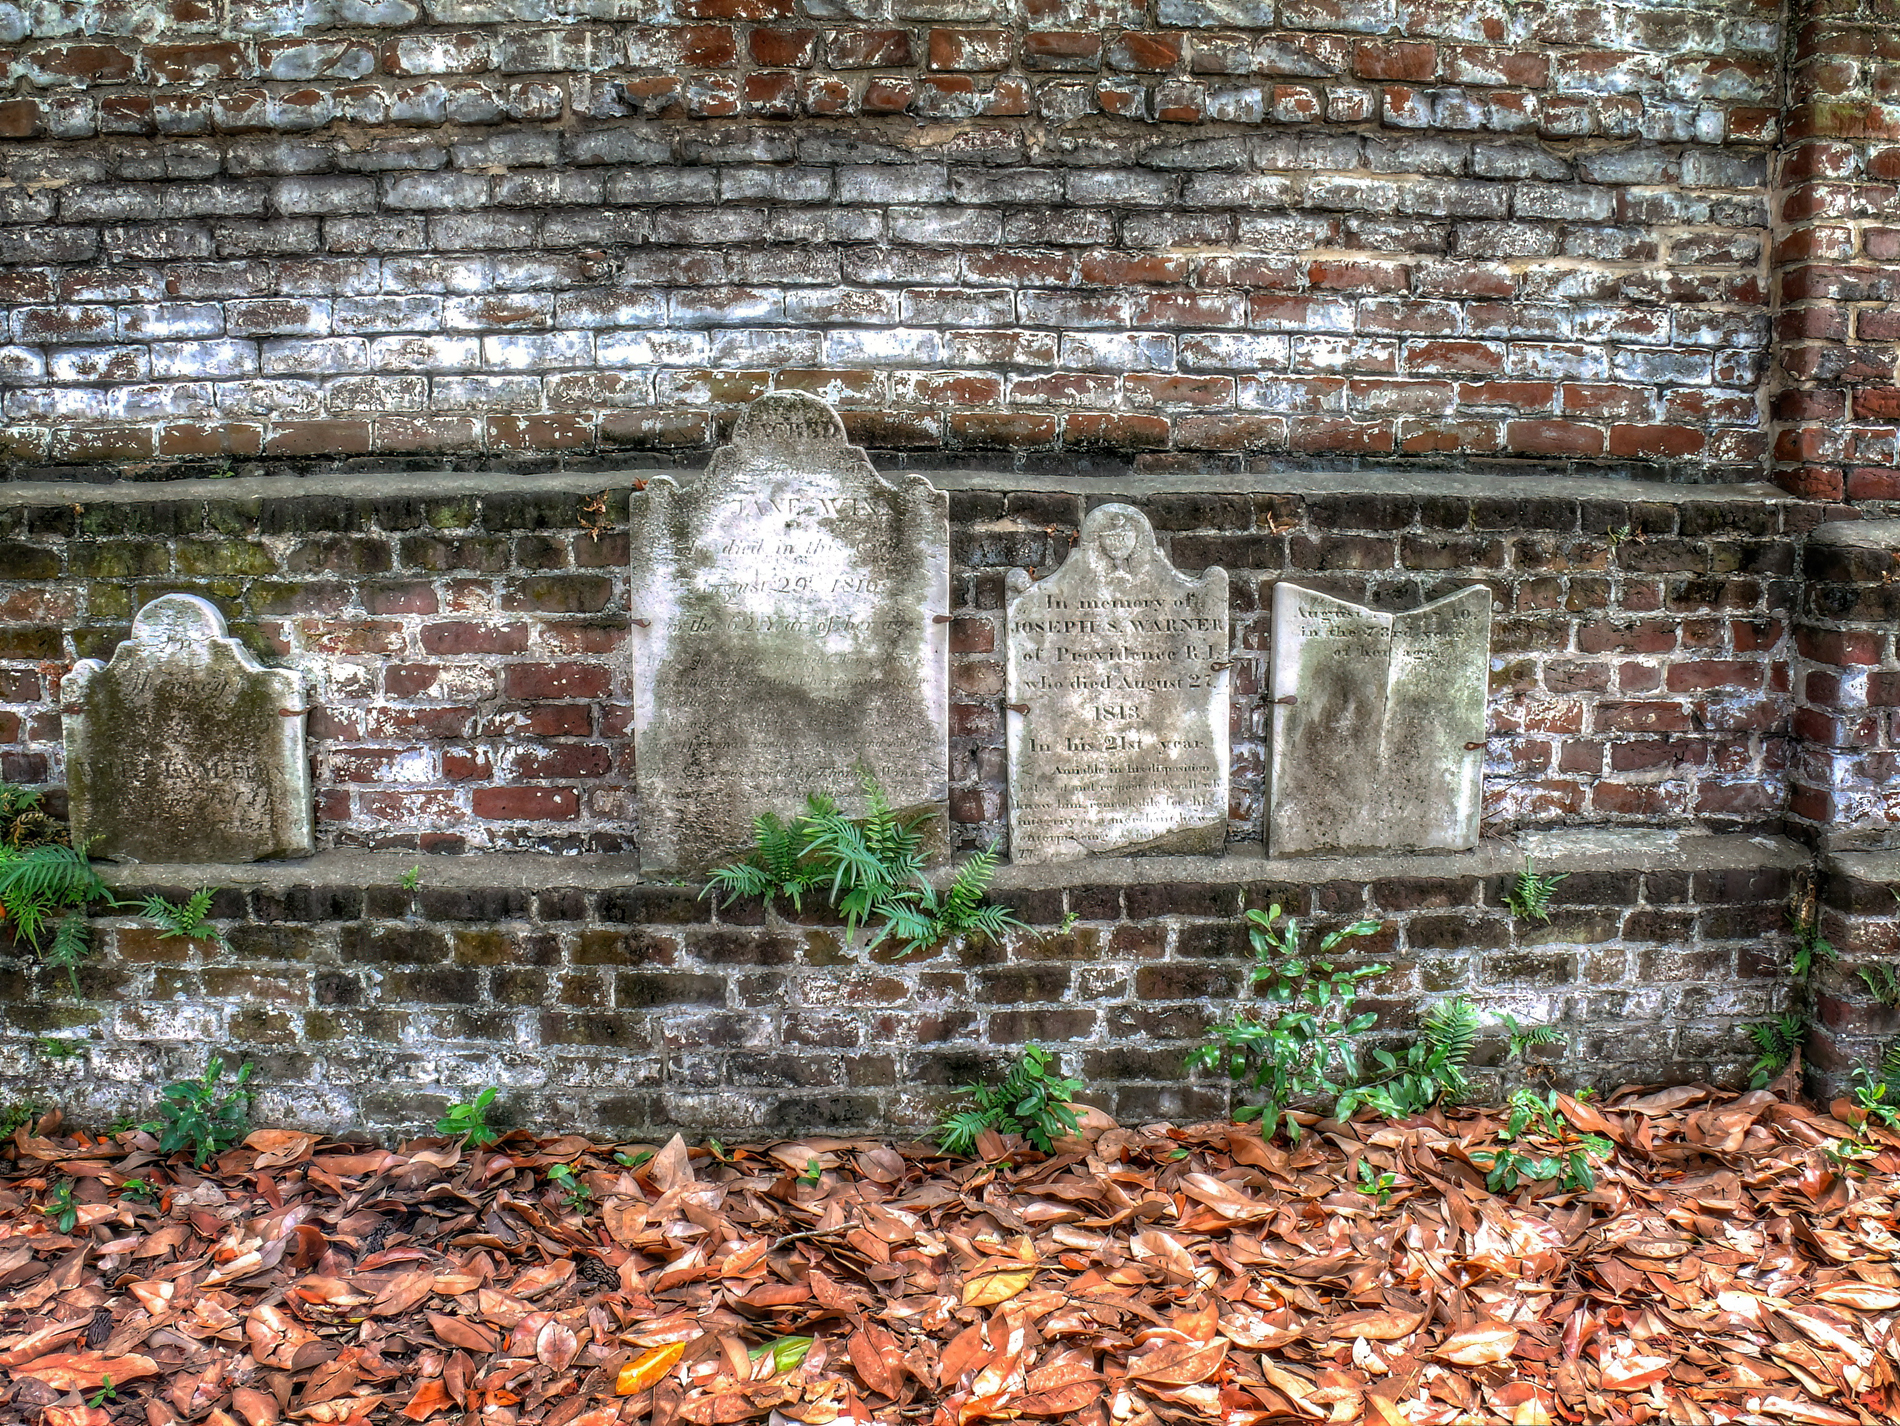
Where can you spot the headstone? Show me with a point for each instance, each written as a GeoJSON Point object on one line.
{"type": "Point", "coordinates": [1378, 723]}
{"type": "Point", "coordinates": [183, 748]}
{"type": "Point", "coordinates": [1118, 689]}
{"type": "Point", "coordinates": [790, 635]}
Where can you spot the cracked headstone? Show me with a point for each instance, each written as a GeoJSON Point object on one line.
{"type": "Point", "coordinates": [790, 636]}
{"type": "Point", "coordinates": [183, 748]}
{"type": "Point", "coordinates": [1118, 701]}
{"type": "Point", "coordinates": [1378, 724]}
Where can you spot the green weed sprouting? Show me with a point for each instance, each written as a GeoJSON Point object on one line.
{"type": "Point", "coordinates": [1032, 1100]}
{"type": "Point", "coordinates": [1776, 1040]}
{"type": "Point", "coordinates": [195, 1114]}
{"type": "Point", "coordinates": [190, 920]}
{"type": "Point", "coordinates": [871, 869]}
{"type": "Point", "coordinates": [45, 889]}
{"type": "Point", "coordinates": [1883, 981]}
{"type": "Point", "coordinates": [1529, 894]}
{"type": "Point", "coordinates": [574, 1193]}
{"type": "Point", "coordinates": [1432, 1068]}
{"type": "Point", "coordinates": [470, 1121]}
{"type": "Point", "coordinates": [1302, 1046]}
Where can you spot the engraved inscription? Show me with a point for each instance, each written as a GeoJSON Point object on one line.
{"type": "Point", "coordinates": [1374, 720]}
{"type": "Point", "coordinates": [790, 643]}
{"type": "Point", "coordinates": [1120, 662]}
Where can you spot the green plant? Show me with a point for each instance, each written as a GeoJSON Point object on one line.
{"type": "Point", "coordinates": [195, 1114]}
{"type": "Point", "coordinates": [49, 886]}
{"type": "Point", "coordinates": [1810, 947]}
{"type": "Point", "coordinates": [138, 1190]}
{"type": "Point", "coordinates": [1069, 918]}
{"type": "Point", "coordinates": [633, 1161]}
{"type": "Point", "coordinates": [1531, 1112]}
{"type": "Point", "coordinates": [1617, 536]}
{"type": "Point", "coordinates": [1303, 1046]}
{"type": "Point", "coordinates": [1373, 1185]}
{"type": "Point", "coordinates": [1433, 1067]}
{"type": "Point", "coordinates": [190, 920]}
{"type": "Point", "coordinates": [1777, 1040]}
{"type": "Point", "coordinates": [871, 869]}
{"type": "Point", "coordinates": [1032, 1100]}
{"type": "Point", "coordinates": [1520, 1038]}
{"type": "Point", "coordinates": [106, 1392]}
{"type": "Point", "coordinates": [1572, 1167]}
{"type": "Point", "coordinates": [577, 1194]}
{"type": "Point", "coordinates": [412, 878]}
{"type": "Point", "coordinates": [1870, 1097]}
{"type": "Point", "coordinates": [814, 1171]}
{"type": "Point", "coordinates": [470, 1121]}
{"type": "Point", "coordinates": [16, 1115]}
{"type": "Point", "coordinates": [786, 1353]}
{"type": "Point", "coordinates": [58, 1051]}
{"type": "Point", "coordinates": [61, 1208]}
{"type": "Point", "coordinates": [1883, 981]}
{"type": "Point", "coordinates": [1530, 892]}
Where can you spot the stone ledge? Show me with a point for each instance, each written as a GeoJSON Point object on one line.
{"type": "Point", "coordinates": [1860, 534]}
{"type": "Point", "coordinates": [436, 484]}
{"type": "Point", "coordinates": [1585, 849]}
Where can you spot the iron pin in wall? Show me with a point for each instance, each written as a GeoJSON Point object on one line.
{"type": "Point", "coordinates": [1288, 698]}
{"type": "Point", "coordinates": [1473, 747]}
{"type": "Point", "coordinates": [940, 618]}
{"type": "Point", "coordinates": [1017, 707]}
{"type": "Point", "coordinates": [643, 623]}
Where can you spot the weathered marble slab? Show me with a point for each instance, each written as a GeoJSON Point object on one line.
{"type": "Point", "coordinates": [183, 748]}
{"type": "Point", "coordinates": [1118, 692]}
{"type": "Point", "coordinates": [790, 613]}
{"type": "Point", "coordinates": [1378, 723]}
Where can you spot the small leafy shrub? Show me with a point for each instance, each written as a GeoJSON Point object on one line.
{"type": "Point", "coordinates": [61, 1208]}
{"type": "Point", "coordinates": [1433, 1068]}
{"type": "Point", "coordinates": [871, 869]}
{"type": "Point", "coordinates": [1529, 894]}
{"type": "Point", "coordinates": [574, 1193]}
{"type": "Point", "coordinates": [45, 890]}
{"type": "Point", "coordinates": [1518, 1039]}
{"type": "Point", "coordinates": [1032, 1101]}
{"type": "Point", "coordinates": [189, 920]}
{"type": "Point", "coordinates": [1537, 1115]}
{"type": "Point", "coordinates": [470, 1121]}
{"type": "Point", "coordinates": [1375, 1185]}
{"type": "Point", "coordinates": [1302, 1045]}
{"type": "Point", "coordinates": [1776, 1040]}
{"type": "Point", "coordinates": [16, 1115]}
{"type": "Point", "coordinates": [195, 1114]}
{"type": "Point", "coordinates": [138, 1190]}
{"type": "Point", "coordinates": [1870, 1096]}
{"type": "Point", "coordinates": [412, 878]}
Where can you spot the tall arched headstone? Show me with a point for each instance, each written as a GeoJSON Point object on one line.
{"type": "Point", "coordinates": [790, 612]}
{"type": "Point", "coordinates": [1118, 690]}
{"type": "Point", "coordinates": [183, 748]}
{"type": "Point", "coordinates": [1378, 723]}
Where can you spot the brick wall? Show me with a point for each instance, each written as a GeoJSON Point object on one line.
{"type": "Point", "coordinates": [1844, 783]}
{"type": "Point", "coordinates": [1192, 231]}
{"type": "Point", "coordinates": [636, 1009]}
{"type": "Point", "coordinates": [464, 637]}
{"type": "Point", "coordinates": [1837, 258]}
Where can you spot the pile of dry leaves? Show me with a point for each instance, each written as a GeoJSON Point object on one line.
{"type": "Point", "coordinates": [1728, 1266]}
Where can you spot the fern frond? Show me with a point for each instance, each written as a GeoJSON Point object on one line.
{"type": "Point", "coordinates": [957, 1134]}
{"type": "Point", "coordinates": [72, 941]}
{"type": "Point", "coordinates": [1890, 1068]}
{"type": "Point", "coordinates": [39, 884]}
{"type": "Point", "coordinates": [1450, 1029]}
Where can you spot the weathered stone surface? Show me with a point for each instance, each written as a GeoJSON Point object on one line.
{"type": "Point", "coordinates": [1118, 686]}
{"type": "Point", "coordinates": [789, 635]}
{"type": "Point", "coordinates": [1378, 723]}
{"type": "Point", "coordinates": [183, 748]}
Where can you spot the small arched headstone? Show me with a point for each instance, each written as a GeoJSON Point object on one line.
{"type": "Point", "coordinates": [1118, 693]}
{"type": "Point", "coordinates": [1378, 724]}
{"type": "Point", "coordinates": [184, 748]}
{"type": "Point", "coordinates": [789, 615]}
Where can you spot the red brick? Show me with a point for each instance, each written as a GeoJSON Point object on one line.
{"type": "Point", "coordinates": [1553, 438]}
{"type": "Point", "coordinates": [970, 49]}
{"type": "Point", "coordinates": [1730, 674]}
{"type": "Point", "coordinates": [526, 804]}
{"type": "Point", "coordinates": [1379, 59]}
{"type": "Point", "coordinates": [1656, 441]}
{"type": "Point", "coordinates": [556, 680]}
{"type": "Point", "coordinates": [783, 49]}
{"type": "Point", "coordinates": [452, 636]}
{"type": "Point", "coordinates": [1842, 648]}
{"type": "Point", "coordinates": [868, 49]}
